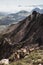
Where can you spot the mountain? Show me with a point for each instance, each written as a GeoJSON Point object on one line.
{"type": "Point", "coordinates": [38, 10]}
{"type": "Point", "coordinates": [22, 13]}
{"type": "Point", "coordinates": [26, 33]}
{"type": "Point", "coordinates": [3, 13]}
{"type": "Point", "coordinates": [14, 18]}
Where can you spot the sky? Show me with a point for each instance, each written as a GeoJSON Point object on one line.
{"type": "Point", "coordinates": [17, 5]}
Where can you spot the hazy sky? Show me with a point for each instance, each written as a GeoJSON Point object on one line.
{"type": "Point", "coordinates": [16, 5]}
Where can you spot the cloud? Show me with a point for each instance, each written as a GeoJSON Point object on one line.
{"type": "Point", "coordinates": [17, 5]}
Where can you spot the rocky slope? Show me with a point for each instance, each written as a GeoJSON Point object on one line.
{"type": "Point", "coordinates": [23, 34]}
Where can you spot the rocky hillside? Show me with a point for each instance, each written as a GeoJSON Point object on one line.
{"type": "Point", "coordinates": [26, 33]}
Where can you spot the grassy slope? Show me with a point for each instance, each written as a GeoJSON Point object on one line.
{"type": "Point", "coordinates": [34, 58]}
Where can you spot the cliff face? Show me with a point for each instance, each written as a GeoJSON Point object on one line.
{"type": "Point", "coordinates": [26, 32]}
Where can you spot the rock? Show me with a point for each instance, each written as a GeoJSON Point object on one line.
{"type": "Point", "coordinates": [32, 49]}
{"type": "Point", "coordinates": [4, 61]}
{"type": "Point", "coordinates": [18, 51]}
{"type": "Point", "coordinates": [16, 56]}
{"type": "Point", "coordinates": [23, 50]}
{"type": "Point", "coordinates": [40, 64]}
{"type": "Point", "coordinates": [26, 57]}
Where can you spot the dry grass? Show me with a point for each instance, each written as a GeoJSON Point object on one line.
{"type": "Point", "coordinates": [34, 58]}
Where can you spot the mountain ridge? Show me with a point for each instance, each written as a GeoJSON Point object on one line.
{"type": "Point", "coordinates": [23, 34]}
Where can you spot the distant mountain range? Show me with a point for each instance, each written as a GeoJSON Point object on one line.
{"type": "Point", "coordinates": [3, 13]}
{"type": "Point", "coordinates": [19, 15]}
{"type": "Point", "coordinates": [14, 18]}
{"type": "Point", "coordinates": [7, 19]}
